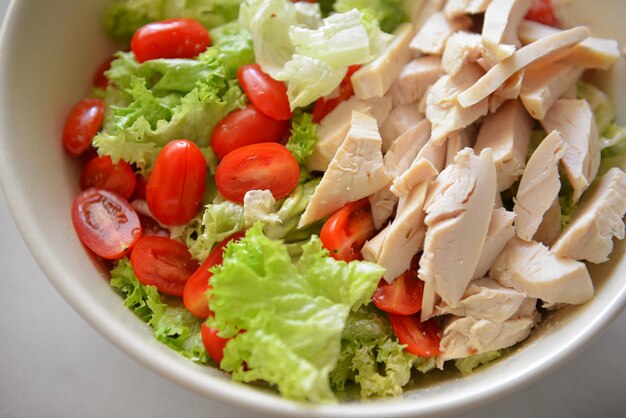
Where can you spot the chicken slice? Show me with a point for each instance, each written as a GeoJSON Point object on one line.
{"type": "Point", "coordinates": [523, 57]}
{"type": "Point", "coordinates": [589, 235]}
{"type": "Point", "coordinates": [544, 84]}
{"type": "Point", "coordinates": [375, 78]}
{"type": "Point", "coordinates": [400, 119]}
{"type": "Point", "coordinates": [577, 124]}
{"type": "Point", "coordinates": [424, 10]}
{"type": "Point", "coordinates": [356, 171]}
{"type": "Point", "coordinates": [434, 154]}
{"type": "Point", "coordinates": [531, 268]}
{"type": "Point", "coordinates": [502, 20]}
{"type": "Point", "coordinates": [507, 132]}
{"type": "Point", "coordinates": [432, 37]}
{"type": "Point", "coordinates": [539, 186]}
{"type": "Point", "coordinates": [456, 8]}
{"type": "Point", "coordinates": [462, 47]}
{"type": "Point", "coordinates": [510, 90]}
{"type": "Point", "coordinates": [459, 140]}
{"type": "Point", "coordinates": [500, 232]}
{"type": "Point", "coordinates": [415, 78]}
{"type": "Point", "coordinates": [550, 227]}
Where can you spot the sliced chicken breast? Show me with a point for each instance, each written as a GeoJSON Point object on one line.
{"type": "Point", "coordinates": [432, 36]}
{"type": "Point", "coordinates": [400, 119]}
{"type": "Point", "coordinates": [510, 90]}
{"type": "Point", "coordinates": [550, 227]}
{"type": "Point", "coordinates": [502, 20]}
{"type": "Point", "coordinates": [425, 10]}
{"type": "Point", "coordinates": [456, 8]}
{"type": "Point", "coordinates": [459, 140]}
{"type": "Point", "coordinates": [500, 232]}
{"type": "Point", "coordinates": [462, 47]}
{"type": "Point", "coordinates": [415, 78]}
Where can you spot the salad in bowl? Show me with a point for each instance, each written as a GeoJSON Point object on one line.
{"type": "Point", "coordinates": [350, 194]}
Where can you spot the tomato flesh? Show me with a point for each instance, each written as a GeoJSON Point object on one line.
{"type": "Point", "coordinates": [421, 338]}
{"type": "Point", "coordinates": [164, 263]}
{"type": "Point", "coordinates": [345, 232]}
{"type": "Point", "coordinates": [81, 125]}
{"type": "Point", "coordinates": [105, 222]}
{"type": "Point", "coordinates": [213, 343]}
{"type": "Point", "coordinates": [100, 172]}
{"type": "Point", "coordinates": [267, 94]}
{"type": "Point", "coordinates": [323, 106]}
{"type": "Point", "coordinates": [265, 166]}
{"type": "Point", "coordinates": [176, 185]}
{"type": "Point", "coordinates": [99, 79]}
{"type": "Point", "coordinates": [170, 38]}
{"type": "Point", "coordinates": [543, 11]}
{"type": "Point", "coordinates": [403, 296]}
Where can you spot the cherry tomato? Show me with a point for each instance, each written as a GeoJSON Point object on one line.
{"type": "Point", "coordinates": [194, 295]}
{"type": "Point", "coordinates": [542, 11]}
{"type": "Point", "coordinates": [164, 263]}
{"type": "Point", "coordinates": [324, 106]}
{"type": "Point", "coordinates": [100, 172]}
{"type": "Point", "coordinates": [345, 232]}
{"type": "Point", "coordinates": [244, 127]}
{"type": "Point", "coordinates": [100, 80]}
{"type": "Point", "coordinates": [267, 94]}
{"type": "Point", "coordinates": [421, 338]}
{"type": "Point", "coordinates": [82, 123]}
{"type": "Point", "coordinates": [171, 38]}
{"type": "Point", "coordinates": [151, 227]}
{"type": "Point", "coordinates": [266, 166]}
{"type": "Point", "coordinates": [140, 187]}
{"type": "Point", "coordinates": [105, 222]}
{"type": "Point", "coordinates": [176, 186]}
{"type": "Point", "coordinates": [402, 297]}
{"type": "Point", "coordinates": [213, 343]}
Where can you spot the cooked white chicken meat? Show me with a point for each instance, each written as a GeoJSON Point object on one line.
{"type": "Point", "coordinates": [462, 47]}
{"type": "Point", "coordinates": [510, 90]}
{"type": "Point", "coordinates": [432, 36]}
{"type": "Point", "coordinates": [502, 20]}
{"type": "Point", "coordinates": [425, 10]}
{"type": "Point", "coordinates": [415, 78]}
{"type": "Point", "coordinates": [589, 235]}
{"type": "Point", "coordinates": [550, 227]}
{"type": "Point", "coordinates": [500, 232]}
{"type": "Point", "coordinates": [400, 119]}
{"type": "Point", "coordinates": [435, 154]}
{"type": "Point", "coordinates": [459, 140]}
{"type": "Point", "coordinates": [456, 8]}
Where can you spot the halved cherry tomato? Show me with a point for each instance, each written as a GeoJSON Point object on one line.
{"type": "Point", "coordinates": [100, 172]}
{"type": "Point", "coordinates": [164, 263]}
{"type": "Point", "coordinates": [244, 127]}
{"type": "Point", "coordinates": [266, 166]}
{"type": "Point", "coordinates": [323, 106]}
{"type": "Point", "coordinates": [213, 343]}
{"type": "Point", "coordinates": [345, 232]}
{"type": "Point", "coordinates": [421, 338]}
{"type": "Point", "coordinates": [542, 11]}
{"type": "Point", "coordinates": [81, 124]}
{"type": "Point", "coordinates": [176, 185]}
{"type": "Point", "coordinates": [99, 79]}
{"type": "Point", "coordinates": [194, 295]}
{"type": "Point", "coordinates": [170, 38]}
{"type": "Point", "coordinates": [105, 222]}
{"type": "Point", "coordinates": [402, 297]}
{"type": "Point", "coordinates": [267, 94]}
{"type": "Point", "coordinates": [140, 187]}
{"type": "Point", "coordinates": [151, 227]}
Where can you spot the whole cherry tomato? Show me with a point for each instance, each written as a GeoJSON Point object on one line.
{"type": "Point", "coordinates": [346, 230]}
{"type": "Point", "coordinates": [421, 338]}
{"type": "Point", "coordinates": [81, 125]}
{"type": "Point", "coordinates": [267, 94]}
{"type": "Point", "coordinates": [171, 38]}
{"type": "Point", "coordinates": [213, 343]}
{"type": "Point", "coordinates": [100, 172]}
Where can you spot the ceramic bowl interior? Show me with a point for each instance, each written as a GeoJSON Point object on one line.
{"type": "Point", "coordinates": [48, 52]}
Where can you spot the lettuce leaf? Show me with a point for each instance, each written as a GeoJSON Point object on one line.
{"type": "Point", "coordinates": [468, 364]}
{"type": "Point", "coordinates": [303, 137]}
{"type": "Point", "coordinates": [293, 314]}
{"type": "Point", "coordinates": [389, 13]}
{"type": "Point", "coordinates": [601, 104]}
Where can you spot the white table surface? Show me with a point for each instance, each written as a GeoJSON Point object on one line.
{"type": "Point", "coordinates": [53, 364]}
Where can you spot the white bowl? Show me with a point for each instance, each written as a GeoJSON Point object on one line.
{"type": "Point", "coordinates": [48, 51]}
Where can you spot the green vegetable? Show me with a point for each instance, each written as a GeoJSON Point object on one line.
{"type": "Point", "coordinates": [613, 155]}
{"type": "Point", "coordinates": [389, 13]}
{"type": "Point", "coordinates": [293, 314]}
{"type": "Point", "coordinates": [468, 364]}
{"type": "Point", "coordinates": [601, 104]}
{"type": "Point", "coordinates": [303, 138]}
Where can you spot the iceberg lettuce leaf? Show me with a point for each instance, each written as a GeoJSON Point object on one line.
{"type": "Point", "coordinates": [389, 13]}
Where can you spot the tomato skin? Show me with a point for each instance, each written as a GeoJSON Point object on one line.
{"type": "Point", "coordinates": [543, 11]}
{"type": "Point", "coordinates": [194, 294]}
{"type": "Point", "coordinates": [176, 185]}
{"type": "Point", "coordinates": [267, 94]}
{"type": "Point", "coordinates": [151, 227]}
{"type": "Point", "coordinates": [265, 166]}
{"type": "Point", "coordinates": [245, 127]}
{"type": "Point", "coordinates": [140, 187]}
{"type": "Point", "coordinates": [324, 106]}
{"type": "Point", "coordinates": [100, 172]}
{"type": "Point", "coordinates": [402, 297]}
{"type": "Point", "coordinates": [421, 338]}
{"type": "Point", "coordinates": [213, 344]}
{"type": "Point", "coordinates": [345, 231]}
{"type": "Point", "coordinates": [100, 80]}
{"type": "Point", "coordinates": [170, 38]}
{"type": "Point", "coordinates": [81, 125]}
{"type": "Point", "coordinates": [164, 263]}
{"type": "Point", "coordinates": [106, 223]}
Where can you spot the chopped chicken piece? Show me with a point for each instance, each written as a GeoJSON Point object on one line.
{"type": "Point", "coordinates": [415, 78]}
{"type": "Point", "coordinates": [523, 57]}
{"type": "Point", "coordinates": [550, 227]}
{"type": "Point", "coordinates": [590, 53]}
{"type": "Point", "coordinates": [442, 109]}
{"type": "Point", "coordinates": [403, 184]}
{"type": "Point", "coordinates": [462, 47]}
{"type": "Point", "coordinates": [539, 186]}
{"type": "Point", "coordinates": [500, 232]}
{"type": "Point", "coordinates": [508, 91]}
{"type": "Point", "coordinates": [435, 154]}
{"type": "Point", "coordinates": [425, 10]}
{"type": "Point", "coordinates": [432, 36]}
{"type": "Point", "coordinates": [577, 124]}
{"type": "Point", "coordinates": [356, 171]}
{"type": "Point", "coordinates": [507, 132]}
{"type": "Point", "coordinates": [458, 212]}
{"type": "Point", "coordinates": [456, 8]}
{"type": "Point", "coordinates": [599, 219]}
{"type": "Point", "coordinates": [531, 268]}
{"type": "Point", "coordinates": [502, 20]}
{"type": "Point", "coordinates": [544, 84]}
{"type": "Point", "coordinates": [459, 140]}
{"type": "Point", "coordinates": [375, 78]}
{"type": "Point", "coordinates": [400, 119]}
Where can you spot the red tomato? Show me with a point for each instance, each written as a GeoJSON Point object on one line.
{"type": "Point", "coordinates": [140, 187]}
{"type": "Point", "coordinates": [267, 94]}
{"type": "Point", "coordinates": [194, 295]}
{"type": "Point", "coordinates": [402, 297]}
{"type": "Point", "coordinates": [171, 38]}
{"type": "Point", "coordinates": [81, 124]}
{"type": "Point", "coordinates": [164, 263]}
{"type": "Point", "coordinates": [421, 338]}
{"type": "Point", "coordinates": [100, 172]}
{"type": "Point", "coordinates": [151, 227]}
{"type": "Point", "coordinates": [542, 11]}
{"type": "Point", "coordinates": [345, 232]}
{"type": "Point", "coordinates": [244, 127]}
{"type": "Point", "coordinates": [213, 344]}
{"type": "Point", "coordinates": [176, 186]}
{"type": "Point", "coordinates": [100, 80]}
{"type": "Point", "coordinates": [266, 166]}
{"type": "Point", "coordinates": [324, 106]}
{"type": "Point", "coordinates": [105, 222]}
